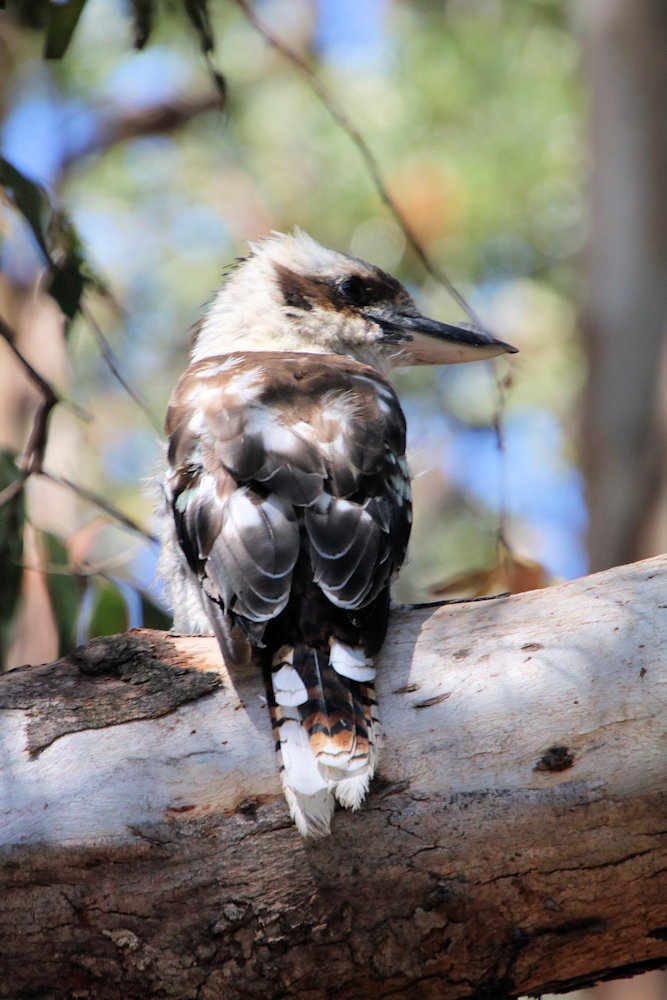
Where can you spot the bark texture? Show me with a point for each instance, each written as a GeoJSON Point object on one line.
{"type": "Point", "coordinates": [514, 840]}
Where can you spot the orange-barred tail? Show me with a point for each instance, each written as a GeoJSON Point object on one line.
{"type": "Point", "coordinates": [325, 724]}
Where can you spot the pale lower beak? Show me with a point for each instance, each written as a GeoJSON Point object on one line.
{"type": "Point", "coordinates": [424, 341]}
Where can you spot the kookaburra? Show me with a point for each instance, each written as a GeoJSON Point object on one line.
{"type": "Point", "coordinates": [286, 504]}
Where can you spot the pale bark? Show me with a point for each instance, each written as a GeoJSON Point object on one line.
{"type": "Point", "coordinates": [513, 841]}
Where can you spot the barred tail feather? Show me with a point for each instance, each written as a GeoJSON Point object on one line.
{"type": "Point", "coordinates": [352, 789]}
{"type": "Point", "coordinates": [309, 798]}
{"type": "Point", "coordinates": [325, 724]}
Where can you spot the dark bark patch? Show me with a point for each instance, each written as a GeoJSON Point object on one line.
{"type": "Point", "coordinates": [108, 681]}
{"type": "Point", "coordinates": [555, 759]}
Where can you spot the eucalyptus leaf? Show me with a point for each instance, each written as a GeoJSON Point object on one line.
{"type": "Point", "coordinates": [12, 520]}
{"type": "Point", "coordinates": [57, 238]}
{"type": "Point", "coordinates": [63, 19]}
{"type": "Point", "coordinates": [109, 613]}
{"type": "Point", "coordinates": [69, 275]}
{"type": "Point", "coordinates": [64, 591]}
{"type": "Point", "coordinates": [143, 12]}
{"type": "Point", "coordinates": [30, 200]}
{"type": "Point", "coordinates": [198, 15]}
{"type": "Point", "coordinates": [153, 616]}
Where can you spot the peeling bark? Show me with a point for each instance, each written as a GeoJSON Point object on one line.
{"type": "Point", "coordinates": [514, 840]}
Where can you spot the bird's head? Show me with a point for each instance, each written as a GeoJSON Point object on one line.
{"type": "Point", "coordinates": [293, 294]}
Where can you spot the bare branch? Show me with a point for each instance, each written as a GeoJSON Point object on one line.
{"type": "Point", "coordinates": [128, 125]}
{"type": "Point", "coordinates": [33, 455]}
{"type": "Point", "coordinates": [341, 119]}
{"type": "Point", "coordinates": [14, 489]}
{"type": "Point", "coordinates": [112, 365]}
{"type": "Point", "coordinates": [103, 504]}
{"type": "Point", "coordinates": [373, 167]}
{"type": "Point", "coordinates": [512, 843]}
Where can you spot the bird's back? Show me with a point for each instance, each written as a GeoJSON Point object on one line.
{"type": "Point", "coordinates": [290, 497]}
{"type": "Point", "coordinates": [286, 504]}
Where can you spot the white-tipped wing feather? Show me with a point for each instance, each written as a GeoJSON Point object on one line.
{"type": "Point", "coordinates": [291, 514]}
{"type": "Point", "coordinates": [287, 505]}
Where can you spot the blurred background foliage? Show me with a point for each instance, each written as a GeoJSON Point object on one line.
{"type": "Point", "coordinates": [133, 176]}
{"type": "Point", "coordinates": [474, 112]}
{"type": "Point", "coordinates": [145, 173]}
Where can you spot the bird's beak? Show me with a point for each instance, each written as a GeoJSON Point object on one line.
{"type": "Point", "coordinates": [423, 341]}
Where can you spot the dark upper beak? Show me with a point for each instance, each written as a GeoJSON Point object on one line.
{"type": "Point", "coordinates": [424, 341]}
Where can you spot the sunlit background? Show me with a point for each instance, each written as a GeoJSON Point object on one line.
{"type": "Point", "coordinates": [479, 115]}
{"type": "Point", "coordinates": [475, 113]}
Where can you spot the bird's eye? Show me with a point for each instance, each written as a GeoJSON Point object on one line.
{"type": "Point", "coordinates": [356, 291]}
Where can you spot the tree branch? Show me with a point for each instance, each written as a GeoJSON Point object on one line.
{"type": "Point", "coordinates": [105, 505]}
{"type": "Point", "coordinates": [364, 150]}
{"type": "Point", "coordinates": [512, 841]}
{"type": "Point", "coordinates": [33, 456]}
{"type": "Point", "coordinates": [125, 125]}
{"type": "Point", "coordinates": [112, 364]}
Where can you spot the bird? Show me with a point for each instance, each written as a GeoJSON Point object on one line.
{"type": "Point", "coordinates": [285, 505]}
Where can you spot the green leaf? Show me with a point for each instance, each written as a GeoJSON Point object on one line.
{"type": "Point", "coordinates": [64, 592]}
{"type": "Point", "coordinates": [69, 279]}
{"type": "Point", "coordinates": [12, 519]}
{"type": "Point", "coordinates": [30, 199]}
{"type": "Point", "coordinates": [28, 13]}
{"type": "Point", "coordinates": [109, 612]}
{"type": "Point", "coordinates": [219, 83]}
{"type": "Point", "coordinates": [63, 18]}
{"type": "Point", "coordinates": [152, 615]}
{"type": "Point", "coordinates": [198, 15]}
{"type": "Point", "coordinates": [142, 16]}
{"type": "Point", "coordinates": [57, 239]}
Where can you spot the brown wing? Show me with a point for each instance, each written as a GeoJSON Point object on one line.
{"type": "Point", "coordinates": [274, 455]}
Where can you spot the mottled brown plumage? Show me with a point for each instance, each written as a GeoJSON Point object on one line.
{"type": "Point", "coordinates": [286, 502]}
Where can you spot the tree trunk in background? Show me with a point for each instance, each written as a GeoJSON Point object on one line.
{"type": "Point", "coordinates": [624, 430]}
{"type": "Point", "coordinates": [625, 417]}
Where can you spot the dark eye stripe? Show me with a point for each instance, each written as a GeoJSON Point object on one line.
{"type": "Point", "coordinates": [365, 290]}
{"type": "Point", "coordinates": [356, 291]}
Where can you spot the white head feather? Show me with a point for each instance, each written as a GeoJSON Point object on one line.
{"type": "Point", "coordinates": [292, 294]}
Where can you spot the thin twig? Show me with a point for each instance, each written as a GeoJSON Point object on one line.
{"type": "Point", "coordinates": [126, 126]}
{"type": "Point", "coordinates": [33, 455]}
{"type": "Point", "coordinates": [369, 159]}
{"type": "Point", "coordinates": [44, 387]}
{"type": "Point", "coordinates": [14, 489]}
{"type": "Point", "coordinates": [82, 569]}
{"type": "Point", "coordinates": [103, 504]}
{"type": "Point", "coordinates": [373, 167]}
{"type": "Point", "coordinates": [112, 365]}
